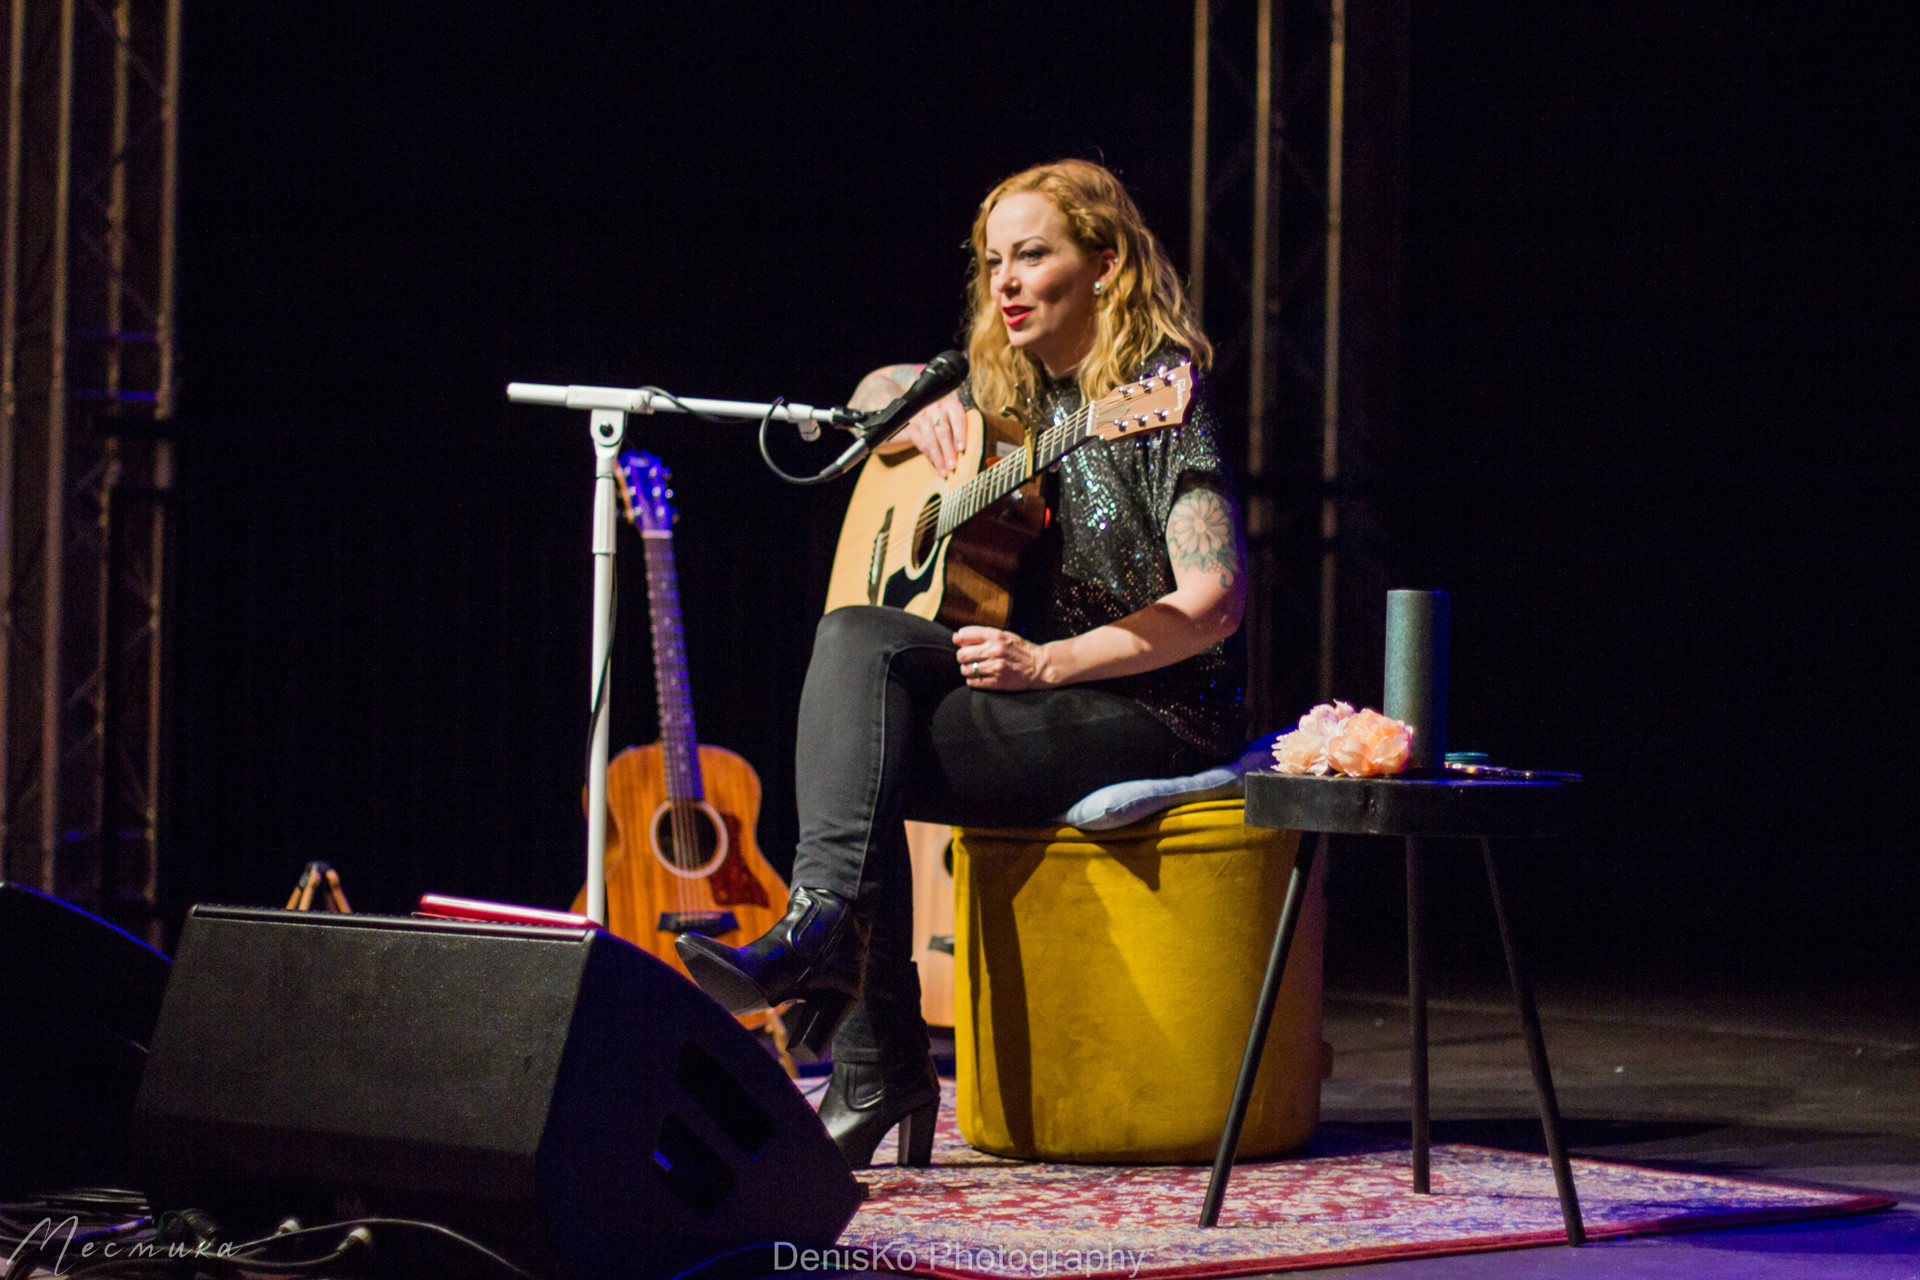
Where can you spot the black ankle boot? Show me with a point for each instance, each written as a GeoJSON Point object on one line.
{"type": "Point", "coordinates": [813, 955]}
{"type": "Point", "coordinates": [862, 1104]}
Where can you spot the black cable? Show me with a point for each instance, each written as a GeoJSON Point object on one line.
{"type": "Point", "coordinates": [244, 1258]}
{"type": "Point", "coordinates": [62, 1241]}
{"type": "Point", "coordinates": [82, 1198]}
{"type": "Point", "coordinates": [766, 420]}
{"type": "Point", "coordinates": [767, 457]}
{"type": "Point", "coordinates": [358, 1238]}
{"type": "Point", "coordinates": [412, 1224]}
{"type": "Point", "coordinates": [680, 404]}
{"type": "Point", "coordinates": [91, 1205]}
{"type": "Point", "coordinates": [606, 659]}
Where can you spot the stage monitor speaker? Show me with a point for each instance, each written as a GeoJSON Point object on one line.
{"type": "Point", "coordinates": [555, 1093]}
{"type": "Point", "coordinates": [78, 999]}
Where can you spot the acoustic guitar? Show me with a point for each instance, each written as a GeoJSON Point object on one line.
{"type": "Point", "coordinates": [947, 549]}
{"type": "Point", "coordinates": [684, 813]}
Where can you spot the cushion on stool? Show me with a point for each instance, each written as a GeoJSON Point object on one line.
{"type": "Point", "coordinates": [1106, 983]}
{"type": "Point", "coordinates": [1124, 803]}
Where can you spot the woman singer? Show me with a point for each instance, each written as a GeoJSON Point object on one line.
{"type": "Point", "coordinates": [1119, 660]}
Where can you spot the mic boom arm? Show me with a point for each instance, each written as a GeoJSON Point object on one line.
{"type": "Point", "coordinates": [654, 400]}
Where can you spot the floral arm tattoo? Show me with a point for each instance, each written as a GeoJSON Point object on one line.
{"type": "Point", "coordinates": [1202, 533]}
{"type": "Point", "coordinates": [883, 386]}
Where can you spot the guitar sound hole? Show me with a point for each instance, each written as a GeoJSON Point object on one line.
{"type": "Point", "coordinates": [689, 838]}
{"type": "Point", "coordinates": [925, 536]}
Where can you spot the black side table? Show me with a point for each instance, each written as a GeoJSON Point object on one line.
{"type": "Point", "coordinates": [1417, 809]}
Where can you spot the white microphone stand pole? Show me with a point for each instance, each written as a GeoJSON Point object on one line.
{"type": "Point", "coordinates": [608, 408]}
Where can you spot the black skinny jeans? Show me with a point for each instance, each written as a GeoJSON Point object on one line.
{"type": "Point", "coordinates": [889, 730]}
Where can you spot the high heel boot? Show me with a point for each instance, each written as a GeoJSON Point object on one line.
{"type": "Point", "coordinates": [862, 1104]}
{"type": "Point", "coordinates": [813, 956]}
{"type": "Point", "coordinates": [882, 1071]}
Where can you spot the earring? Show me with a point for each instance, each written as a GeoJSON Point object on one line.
{"type": "Point", "coordinates": [1098, 285]}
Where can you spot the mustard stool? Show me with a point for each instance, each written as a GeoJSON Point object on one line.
{"type": "Point", "coordinates": [1106, 981]}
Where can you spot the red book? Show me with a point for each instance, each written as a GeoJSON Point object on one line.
{"type": "Point", "coordinates": [439, 906]}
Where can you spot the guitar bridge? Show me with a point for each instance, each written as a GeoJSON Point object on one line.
{"type": "Point", "coordinates": [709, 924]}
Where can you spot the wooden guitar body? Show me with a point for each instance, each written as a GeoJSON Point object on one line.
{"type": "Point", "coordinates": [683, 813]}
{"type": "Point", "coordinates": [946, 549]}
{"type": "Point", "coordinates": [642, 887]}
{"type": "Point", "coordinates": [888, 554]}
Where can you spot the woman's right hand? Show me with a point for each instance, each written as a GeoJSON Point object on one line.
{"type": "Point", "coordinates": [939, 431]}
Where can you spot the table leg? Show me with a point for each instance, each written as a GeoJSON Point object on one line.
{"type": "Point", "coordinates": [1257, 1037]}
{"type": "Point", "coordinates": [1417, 1022]}
{"type": "Point", "coordinates": [1537, 1059]}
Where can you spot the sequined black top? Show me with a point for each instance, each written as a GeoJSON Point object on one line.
{"type": "Point", "coordinates": [1104, 556]}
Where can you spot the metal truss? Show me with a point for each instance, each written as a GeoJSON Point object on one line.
{"type": "Point", "coordinates": [86, 377]}
{"type": "Point", "coordinates": [1264, 258]}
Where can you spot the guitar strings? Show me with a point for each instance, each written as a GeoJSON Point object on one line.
{"type": "Point", "coordinates": [680, 771]}
{"type": "Point", "coordinates": [988, 487]}
{"type": "Point", "coordinates": [995, 482]}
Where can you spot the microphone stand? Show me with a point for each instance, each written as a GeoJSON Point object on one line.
{"type": "Point", "coordinates": [608, 408]}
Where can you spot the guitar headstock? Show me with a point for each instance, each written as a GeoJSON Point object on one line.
{"type": "Point", "coordinates": [644, 493]}
{"type": "Point", "coordinates": [1154, 403]}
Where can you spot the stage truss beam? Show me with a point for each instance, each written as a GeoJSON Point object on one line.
{"type": "Point", "coordinates": [86, 383]}
{"type": "Point", "coordinates": [1271, 172]}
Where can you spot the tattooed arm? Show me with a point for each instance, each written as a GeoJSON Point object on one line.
{"type": "Point", "coordinates": [1204, 607]}
{"type": "Point", "coordinates": [939, 430]}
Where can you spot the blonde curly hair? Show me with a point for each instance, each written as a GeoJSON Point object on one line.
{"type": "Point", "coordinates": [1142, 308]}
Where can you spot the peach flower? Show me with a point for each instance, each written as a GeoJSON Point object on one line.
{"type": "Point", "coordinates": [1333, 738]}
{"type": "Point", "coordinates": [1305, 749]}
{"type": "Point", "coordinates": [1370, 745]}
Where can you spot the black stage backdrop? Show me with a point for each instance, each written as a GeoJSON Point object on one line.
{"type": "Point", "coordinates": [1659, 271]}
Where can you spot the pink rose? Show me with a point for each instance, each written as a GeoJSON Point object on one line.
{"type": "Point", "coordinates": [1333, 738]}
{"type": "Point", "coordinates": [1370, 745]}
{"type": "Point", "coordinates": [1305, 749]}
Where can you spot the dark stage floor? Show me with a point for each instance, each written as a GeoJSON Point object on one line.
{"type": "Point", "coordinates": [1818, 1086]}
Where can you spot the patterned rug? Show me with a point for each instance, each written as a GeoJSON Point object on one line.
{"type": "Point", "coordinates": [1346, 1200]}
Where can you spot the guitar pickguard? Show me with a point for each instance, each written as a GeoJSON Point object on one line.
{"type": "Point", "coordinates": [901, 588]}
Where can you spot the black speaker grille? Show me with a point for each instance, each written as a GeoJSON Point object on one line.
{"type": "Point", "coordinates": [718, 1094]}
{"type": "Point", "coordinates": [693, 1171]}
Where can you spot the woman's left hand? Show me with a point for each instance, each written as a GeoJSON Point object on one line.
{"type": "Point", "coordinates": [1000, 660]}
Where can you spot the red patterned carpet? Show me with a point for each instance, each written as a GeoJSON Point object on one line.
{"type": "Point", "coordinates": [1347, 1199]}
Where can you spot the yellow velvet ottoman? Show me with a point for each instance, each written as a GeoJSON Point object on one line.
{"type": "Point", "coordinates": [1105, 984]}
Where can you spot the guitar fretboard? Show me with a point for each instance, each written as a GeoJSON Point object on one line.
{"type": "Point", "coordinates": [672, 691]}
{"type": "Point", "coordinates": [1001, 479]}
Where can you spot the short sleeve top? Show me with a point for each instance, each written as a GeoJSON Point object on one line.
{"type": "Point", "coordinates": [1104, 556]}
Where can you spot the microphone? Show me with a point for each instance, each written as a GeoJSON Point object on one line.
{"type": "Point", "coordinates": [943, 373]}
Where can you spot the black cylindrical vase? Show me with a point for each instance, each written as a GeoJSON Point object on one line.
{"type": "Point", "coordinates": [1416, 689]}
